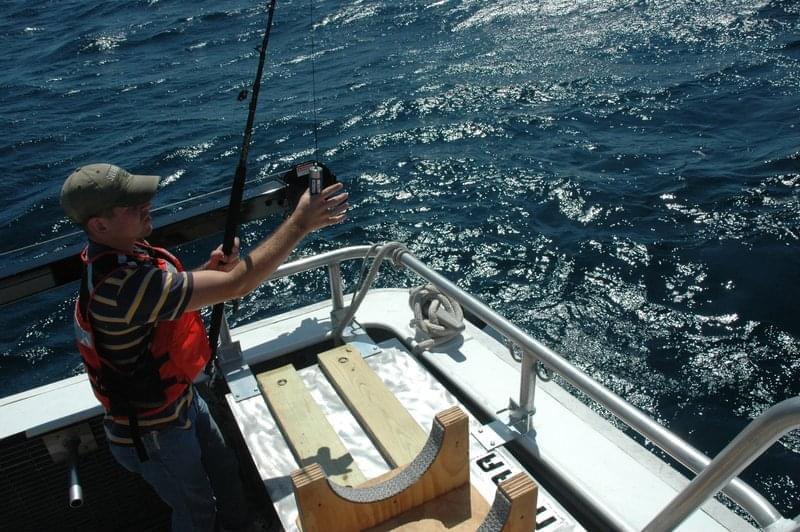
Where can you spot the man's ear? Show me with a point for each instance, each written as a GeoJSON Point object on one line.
{"type": "Point", "coordinates": [96, 226]}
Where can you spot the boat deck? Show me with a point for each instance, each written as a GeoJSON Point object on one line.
{"type": "Point", "coordinates": [419, 392]}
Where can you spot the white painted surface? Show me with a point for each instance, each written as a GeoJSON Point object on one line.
{"type": "Point", "coordinates": [48, 407]}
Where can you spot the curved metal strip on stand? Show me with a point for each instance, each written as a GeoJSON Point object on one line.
{"type": "Point", "coordinates": [512, 506]}
{"type": "Point", "coordinates": [441, 467]}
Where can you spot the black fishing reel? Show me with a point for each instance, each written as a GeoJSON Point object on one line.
{"type": "Point", "coordinates": [299, 178]}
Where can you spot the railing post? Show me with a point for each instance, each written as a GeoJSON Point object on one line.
{"type": "Point", "coordinates": [237, 373]}
{"type": "Point", "coordinates": [224, 331]}
{"type": "Point", "coordinates": [338, 311]}
{"type": "Point", "coordinates": [335, 280]}
{"type": "Point", "coordinates": [522, 412]}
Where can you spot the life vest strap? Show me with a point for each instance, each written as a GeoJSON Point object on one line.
{"type": "Point", "coordinates": [136, 436]}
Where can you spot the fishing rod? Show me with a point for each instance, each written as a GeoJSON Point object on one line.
{"type": "Point", "coordinates": [237, 190]}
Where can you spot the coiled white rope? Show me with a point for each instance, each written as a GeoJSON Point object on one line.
{"type": "Point", "coordinates": [435, 315]}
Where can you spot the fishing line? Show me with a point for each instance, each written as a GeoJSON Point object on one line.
{"type": "Point", "coordinates": [313, 81]}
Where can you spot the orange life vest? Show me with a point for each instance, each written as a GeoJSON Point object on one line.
{"type": "Point", "coordinates": [177, 350]}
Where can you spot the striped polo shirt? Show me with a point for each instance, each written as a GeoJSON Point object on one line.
{"type": "Point", "coordinates": [123, 313]}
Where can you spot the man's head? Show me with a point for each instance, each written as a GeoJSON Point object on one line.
{"type": "Point", "coordinates": [96, 191]}
{"type": "Point", "coordinates": [97, 188]}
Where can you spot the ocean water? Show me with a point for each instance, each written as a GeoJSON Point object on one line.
{"type": "Point", "coordinates": [619, 178]}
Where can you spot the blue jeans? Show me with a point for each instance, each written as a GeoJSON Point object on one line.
{"type": "Point", "coordinates": [187, 468]}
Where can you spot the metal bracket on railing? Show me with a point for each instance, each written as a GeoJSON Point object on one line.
{"type": "Point", "coordinates": [354, 334]}
{"type": "Point", "coordinates": [516, 353]}
{"type": "Point", "coordinates": [543, 372]}
{"type": "Point", "coordinates": [520, 418]}
{"type": "Point", "coordinates": [514, 350]}
{"type": "Point", "coordinates": [240, 379]}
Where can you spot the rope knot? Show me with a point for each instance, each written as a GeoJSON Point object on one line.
{"type": "Point", "coordinates": [435, 315]}
{"type": "Point", "coordinates": [397, 250]}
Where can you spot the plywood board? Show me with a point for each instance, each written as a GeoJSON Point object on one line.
{"type": "Point", "coordinates": [461, 510]}
{"type": "Point", "coordinates": [394, 432]}
{"type": "Point", "coordinates": [306, 429]}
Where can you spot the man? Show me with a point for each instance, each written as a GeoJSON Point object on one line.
{"type": "Point", "coordinates": [142, 340]}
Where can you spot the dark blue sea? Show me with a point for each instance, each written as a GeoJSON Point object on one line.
{"type": "Point", "coordinates": [619, 178]}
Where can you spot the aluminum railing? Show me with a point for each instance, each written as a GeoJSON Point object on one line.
{"type": "Point", "coordinates": [756, 437]}
{"type": "Point", "coordinates": [764, 513]}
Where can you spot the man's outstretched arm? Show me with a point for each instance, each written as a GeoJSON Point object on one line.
{"type": "Point", "coordinates": [311, 213]}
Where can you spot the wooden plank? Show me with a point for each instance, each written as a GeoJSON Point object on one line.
{"type": "Point", "coordinates": [398, 437]}
{"type": "Point", "coordinates": [307, 431]}
{"type": "Point", "coordinates": [460, 510]}
{"type": "Point", "coordinates": [523, 494]}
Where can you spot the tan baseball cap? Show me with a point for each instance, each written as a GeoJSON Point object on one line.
{"type": "Point", "coordinates": [95, 188]}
